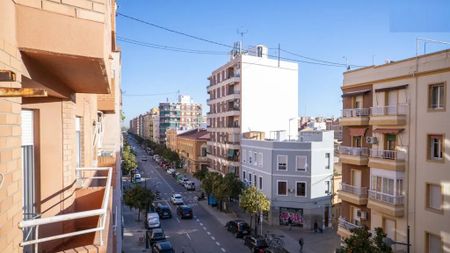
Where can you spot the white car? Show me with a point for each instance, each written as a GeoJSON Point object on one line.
{"type": "Point", "coordinates": [170, 171]}
{"type": "Point", "coordinates": [152, 220]}
{"type": "Point", "coordinates": [137, 178]}
{"type": "Point", "coordinates": [176, 199]}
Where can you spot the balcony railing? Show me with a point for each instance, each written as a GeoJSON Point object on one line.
{"type": "Point", "coordinates": [233, 108]}
{"type": "Point", "coordinates": [101, 213]}
{"type": "Point", "coordinates": [343, 223]}
{"type": "Point", "coordinates": [387, 198]}
{"type": "Point", "coordinates": [359, 191]}
{"type": "Point", "coordinates": [233, 125]}
{"type": "Point", "coordinates": [231, 92]}
{"type": "Point", "coordinates": [387, 154]}
{"type": "Point", "coordinates": [355, 112]}
{"type": "Point", "coordinates": [355, 151]}
{"type": "Point", "coordinates": [400, 109]}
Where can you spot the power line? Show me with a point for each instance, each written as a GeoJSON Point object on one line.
{"type": "Point", "coordinates": [169, 48]}
{"type": "Point", "coordinates": [318, 60]}
{"type": "Point", "coordinates": [149, 95]}
{"type": "Point", "coordinates": [173, 31]}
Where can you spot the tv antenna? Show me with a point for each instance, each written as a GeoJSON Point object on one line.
{"type": "Point", "coordinates": [241, 32]}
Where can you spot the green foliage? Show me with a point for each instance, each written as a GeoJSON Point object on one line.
{"type": "Point", "coordinates": [211, 179]}
{"type": "Point", "coordinates": [129, 160]}
{"type": "Point", "coordinates": [201, 174]}
{"type": "Point", "coordinates": [361, 241]}
{"type": "Point", "coordinates": [138, 197]}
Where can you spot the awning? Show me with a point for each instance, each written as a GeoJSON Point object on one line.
{"type": "Point", "coordinates": [388, 130]}
{"type": "Point", "coordinates": [404, 86]}
{"type": "Point", "coordinates": [356, 93]}
{"type": "Point", "coordinates": [357, 131]}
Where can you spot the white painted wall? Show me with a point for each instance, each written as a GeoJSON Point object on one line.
{"type": "Point", "coordinates": [269, 94]}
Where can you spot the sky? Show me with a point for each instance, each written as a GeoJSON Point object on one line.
{"type": "Point", "coordinates": [362, 32]}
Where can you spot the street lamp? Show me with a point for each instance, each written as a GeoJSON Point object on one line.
{"type": "Point", "coordinates": [389, 242]}
{"type": "Point", "coordinates": [289, 134]}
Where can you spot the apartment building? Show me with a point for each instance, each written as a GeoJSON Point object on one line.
{"type": "Point", "coordinates": [147, 123]}
{"type": "Point", "coordinates": [59, 164]}
{"type": "Point", "coordinates": [296, 176]}
{"type": "Point", "coordinates": [192, 147]}
{"type": "Point", "coordinates": [155, 124]}
{"type": "Point", "coordinates": [184, 114]}
{"type": "Point", "coordinates": [395, 151]}
{"type": "Point", "coordinates": [250, 92]}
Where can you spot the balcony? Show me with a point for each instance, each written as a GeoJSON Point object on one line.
{"type": "Point", "coordinates": [72, 56]}
{"type": "Point", "coordinates": [88, 220]}
{"type": "Point", "coordinates": [387, 159]}
{"type": "Point", "coordinates": [354, 155]}
{"type": "Point", "coordinates": [345, 227]}
{"type": "Point", "coordinates": [353, 194]}
{"type": "Point", "coordinates": [391, 115]}
{"type": "Point", "coordinates": [392, 205]}
{"type": "Point", "coordinates": [355, 117]}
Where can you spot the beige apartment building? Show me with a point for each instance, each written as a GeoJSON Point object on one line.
{"type": "Point", "coordinates": [59, 164]}
{"type": "Point", "coordinates": [395, 151]}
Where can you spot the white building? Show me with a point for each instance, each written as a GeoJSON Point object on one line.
{"type": "Point", "coordinates": [296, 176]}
{"type": "Point", "coordinates": [250, 92]}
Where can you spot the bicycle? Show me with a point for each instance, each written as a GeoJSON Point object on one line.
{"type": "Point", "coordinates": [273, 240]}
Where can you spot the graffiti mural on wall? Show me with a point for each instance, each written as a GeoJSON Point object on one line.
{"type": "Point", "coordinates": [296, 215]}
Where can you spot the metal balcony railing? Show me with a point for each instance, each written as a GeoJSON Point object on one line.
{"type": "Point", "coordinates": [387, 198]}
{"type": "Point", "coordinates": [355, 112]}
{"type": "Point", "coordinates": [101, 213]}
{"type": "Point", "coordinates": [359, 191]}
{"type": "Point", "coordinates": [387, 154]}
{"type": "Point", "coordinates": [400, 109]}
{"type": "Point", "coordinates": [231, 92]}
{"type": "Point", "coordinates": [343, 223]}
{"type": "Point", "coordinates": [355, 151]}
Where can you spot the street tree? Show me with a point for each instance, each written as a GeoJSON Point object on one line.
{"type": "Point", "coordinates": [139, 198]}
{"type": "Point", "coordinates": [362, 241]}
{"type": "Point", "coordinates": [254, 202]}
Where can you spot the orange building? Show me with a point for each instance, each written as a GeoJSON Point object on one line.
{"type": "Point", "coordinates": [59, 164]}
{"type": "Point", "coordinates": [192, 148]}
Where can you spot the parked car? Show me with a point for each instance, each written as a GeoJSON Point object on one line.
{"type": "Point", "coordinates": [162, 247]}
{"type": "Point", "coordinates": [137, 178]}
{"type": "Point", "coordinates": [176, 199]}
{"type": "Point", "coordinates": [152, 221]}
{"type": "Point", "coordinates": [164, 211]}
{"type": "Point", "coordinates": [189, 185]}
{"type": "Point", "coordinates": [275, 250]}
{"type": "Point", "coordinates": [156, 235]}
{"type": "Point", "coordinates": [182, 180]}
{"type": "Point", "coordinates": [170, 171]}
{"type": "Point", "coordinates": [255, 243]}
{"type": "Point", "coordinates": [175, 175]}
{"type": "Point", "coordinates": [184, 211]}
{"type": "Point", "coordinates": [239, 228]}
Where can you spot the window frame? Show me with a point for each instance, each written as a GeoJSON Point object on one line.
{"type": "Point", "coordinates": [286, 189]}
{"type": "Point", "coordinates": [296, 189]}
{"type": "Point", "coordinates": [296, 163]}
{"type": "Point", "coordinates": [429, 148]}
{"type": "Point", "coordinates": [428, 198]}
{"type": "Point", "coordinates": [430, 97]}
{"type": "Point", "coordinates": [260, 182]}
{"type": "Point", "coordinates": [427, 241]}
{"type": "Point", "coordinates": [328, 161]}
{"type": "Point", "coordinates": [278, 163]}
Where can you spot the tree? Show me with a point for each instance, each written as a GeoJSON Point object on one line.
{"type": "Point", "coordinates": [139, 198]}
{"type": "Point", "coordinates": [361, 241]}
{"type": "Point", "coordinates": [210, 181]}
{"type": "Point", "coordinates": [129, 160]}
{"type": "Point", "coordinates": [201, 174]}
{"type": "Point", "coordinates": [254, 202]}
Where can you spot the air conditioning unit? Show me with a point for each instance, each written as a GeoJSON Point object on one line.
{"type": "Point", "coordinates": [371, 140]}
{"type": "Point", "coordinates": [291, 190]}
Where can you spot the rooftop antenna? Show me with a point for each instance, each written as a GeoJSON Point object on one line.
{"type": "Point", "coordinates": [346, 62]}
{"type": "Point", "coordinates": [241, 32]}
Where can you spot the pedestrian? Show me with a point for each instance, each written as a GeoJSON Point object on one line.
{"type": "Point", "coordinates": [316, 226]}
{"type": "Point", "coordinates": [290, 222]}
{"type": "Point", "coordinates": [300, 242]}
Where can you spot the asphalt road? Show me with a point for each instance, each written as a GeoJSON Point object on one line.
{"type": "Point", "coordinates": [202, 234]}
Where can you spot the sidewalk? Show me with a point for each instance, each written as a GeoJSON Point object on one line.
{"type": "Point", "coordinates": [313, 242]}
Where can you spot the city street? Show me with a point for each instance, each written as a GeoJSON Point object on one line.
{"type": "Point", "coordinates": [202, 234]}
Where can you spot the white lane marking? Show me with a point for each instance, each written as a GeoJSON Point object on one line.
{"type": "Point", "coordinates": [218, 244]}
{"type": "Point", "coordinates": [198, 220]}
{"type": "Point", "coordinates": [223, 250]}
{"type": "Point", "coordinates": [213, 238]}
{"type": "Point", "coordinates": [178, 220]}
{"type": "Point", "coordinates": [208, 233]}
{"type": "Point", "coordinates": [204, 228]}
{"type": "Point", "coordinates": [201, 224]}
{"type": "Point", "coordinates": [159, 175]}
{"type": "Point", "coordinates": [188, 236]}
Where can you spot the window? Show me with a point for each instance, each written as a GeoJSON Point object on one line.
{"type": "Point", "coordinates": [436, 97]}
{"type": "Point", "coordinates": [301, 163]}
{"type": "Point", "coordinates": [327, 187]}
{"type": "Point", "coordinates": [249, 157]}
{"type": "Point", "coordinates": [300, 189]}
{"type": "Point", "coordinates": [255, 158]}
{"type": "Point", "coordinates": [434, 197]}
{"type": "Point", "coordinates": [260, 159]}
{"type": "Point", "coordinates": [435, 147]}
{"type": "Point", "coordinates": [282, 162]}
{"type": "Point", "coordinates": [433, 243]}
{"type": "Point", "coordinates": [282, 188]}
{"type": "Point", "coordinates": [390, 140]}
{"type": "Point", "coordinates": [250, 178]}
{"type": "Point", "coordinates": [260, 183]}
{"type": "Point", "coordinates": [388, 186]}
{"type": "Point", "coordinates": [356, 141]}
{"type": "Point", "coordinates": [243, 175]}
{"type": "Point", "coordinates": [327, 160]}
{"type": "Point", "coordinates": [255, 181]}
{"type": "Point", "coordinates": [244, 156]}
